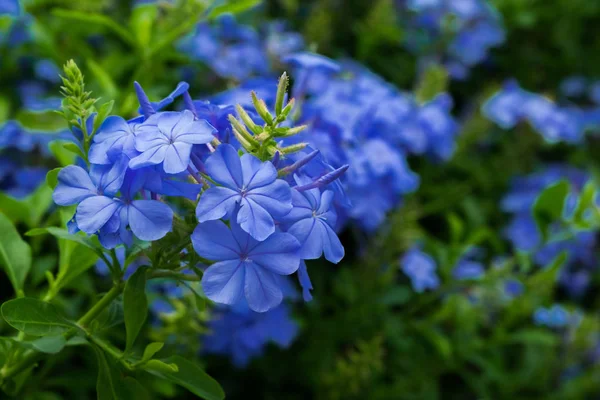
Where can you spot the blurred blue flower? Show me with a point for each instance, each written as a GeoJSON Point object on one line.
{"type": "Point", "coordinates": [420, 268]}
{"type": "Point", "coordinates": [467, 269]}
{"type": "Point", "coordinates": [553, 317]}
{"type": "Point", "coordinates": [243, 334]}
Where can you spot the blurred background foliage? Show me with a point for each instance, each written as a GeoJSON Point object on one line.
{"type": "Point", "coordinates": [367, 334]}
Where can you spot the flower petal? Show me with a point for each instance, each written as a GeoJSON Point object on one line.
{"type": "Point", "coordinates": [225, 168]}
{"type": "Point", "coordinates": [213, 240]}
{"type": "Point", "coordinates": [153, 156]}
{"type": "Point", "coordinates": [278, 253]}
{"type": "Point", "coordinates": [257, 173]}
{"type": "Point", "coordinates": [150, 219]}
{"type": "Point", "coordinates": [223, 282]}
{"type": "Point", "coordinates": [94, 212]}
{"type": "Point", "coordinates": [177, 158]}
{"type": "Point", "coordinates": [255, 220]}
{"type": "Point", "coordinates": [261, 289]}
{"type": "Point", "coordinates": [215, 203]}
{"type": "Point", "coordinates": [276, 198]}
{"type": "Point", "coordinates": [196, 132]}
{"type": "Point", "coordinates": [74, 186]}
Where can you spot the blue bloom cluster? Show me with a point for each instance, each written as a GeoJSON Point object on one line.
{"type": "Point", "coordinates": [553, 317]}
{"type": "Point", "coordinates": [512, 105]}
{"type": "Point", "coordinates": [273, 223]}
{"type": "Point", "coordinates": [352, 115]}
{"type": "Point", "coordinates": [524, 235]}
{"type": "Point", "coordinates": [471, 27]}
{"type": "Point", "coordinates": [242, 334]}
{"type": "Point", "coordinates": [356, 118]}
{"type": "Point", "coordinates": [238, 51]}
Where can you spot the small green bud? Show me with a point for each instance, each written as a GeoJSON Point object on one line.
{"type": "Point", "coordinates": [242, 131]}
{"type": "Point", "coordinates": [261, 109]}
{"type": "Point", "coordinates": [281, 90]}
{"type": "Point", "coordinates": [288, 108]}
{"type": "Point", "coordinates": [293, 148]}
{"type": "Point", "coordinates": [293, 131]}
{"type": "Point", "coordinates": [247, 120]}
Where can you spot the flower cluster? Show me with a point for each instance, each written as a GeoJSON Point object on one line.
{"type": "Point", "coordinates": [523, 233]}
{"type": "Point", "coordinates": [512, 105]}
{"type": "Point", "coordinates": [259, 213]}
{"type": "Point", "coordinates": [238, 51]}
{"type": "Point", "coordinates": [471, 27]}
{"type": "Point", "coordinates": [356, 118]}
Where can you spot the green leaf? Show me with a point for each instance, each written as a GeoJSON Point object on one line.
{"type": "Point", "coordinates": [15, 254]}
{"type": "Point", "coordinates": [29, 210]}
{"type": "Point", "coordinates": [73, 148]}
{"type": "Point", "coordinates": [586, 201]}
{"type": "Point", "coordinates": [35, 317]}
{"type": "Point", "coordinates": [52, 177]}
{"type": "Point", "coordinates": [49, 344]}
{"type": "Point", "coordinates": [112, 384]}
{"type": "Point", "coordinates": [74, 259]}
{"type": "Point", "coordinates": [41, 121]}
{"type": "Point", "coordinates": [151, 350]}
{"type": "Point", "coordinates": [543, 282]}
{"type": "Point", "coordinates": [63, 156]}
{"type": "Point", "coordinates": [99, 19]}
{"type": "Point", "coordinates": [135, 305]}
{"type": "Point", "coordinates": [549, 205]}
{"type": "Point", "coordinates": [199, 295]}
{"type": "Point", "coordinates": [142, 21]}
{"type": "Point", "coordinates": [104, 80]}
{"type": "Point", "coordinates": [433, 82]}
{"type": "Point", "coordinates": [64, 234]}
{"type": "Point", "coordinates": [232, 7]}
{"type": "Point", "coordinates": [191, 377]}
{"type": "Point", "coordinates": [103, 112]}
{"type": "Point", "coordinates": [161, 367]}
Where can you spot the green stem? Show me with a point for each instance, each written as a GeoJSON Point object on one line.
{"type": "Point", "coordinates": [100, 305]}
{"type": "Point", "coordinates": [173, 275]}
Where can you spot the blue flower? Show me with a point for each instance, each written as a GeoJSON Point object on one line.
{"type": "Point", "coordinates": [305, 282]}
{"type": "Point", "coordinates": [466, 269]}
{"type": "Point", "coordinates": [98, 211]}
{"type": "Point", "coordinates": [312, 222]}
{"type": "Point", "coordinates": [243, 334]}
{"type": "Point", "coordinates": [420, 268]}
{"type": "Point", "coordinates": [505, 107]}
{"type": "Point", "coordinates": [167, 138]}
{"type": "Point", "coordinates": [248, 182]}
{"type": "Point", "coordinates": [114, 138]}
{"type": "Point", "coordinates": [553, 317]}
{"type": "Point", "coordinates": [10, 7]}
{"type": "Point", "coordinates": [245, 267]}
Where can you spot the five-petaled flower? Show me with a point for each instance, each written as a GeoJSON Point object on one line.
{"type": "Point", "coordinates": [248, 182]}
{"type": "Point", "coordinates": [244, 265]}
{"type": "Point", "coordinates": [167, 138]}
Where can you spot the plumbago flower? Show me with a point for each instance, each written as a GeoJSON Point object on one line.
{"type": "Point", "coordinates": [254, 224]}
{"type": "Point", "coordinates": [248, 182]}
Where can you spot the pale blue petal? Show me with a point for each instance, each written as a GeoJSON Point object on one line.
{"type": "Point", "coordinates": [177, 158]}
{"type": "Point", "coordinates": [94, 212]}
{"type": "Point", "coordinates": [170, 187]}
{"type": "Point", "coordinates": [150, 219]}
{"type": "Point", "coordinates": [223, 282]}
{"type": "Point", "coordinates": [255, 220]}
{"type": "Point", "coordinates": [278, 253]}
{"type": "Point", "coordinates": [74, 186]}
{"type": "Point", "coordinates": [225, 168]}
{"type": "Point", "coordinates": [276, 198]}
{"type": "Point", "coordinates": [261, 289]}
{"type": "Point", "coordinates": [257, 173]}
{"type": "Point", "coordinates": [214, 241]}
{"type": "Point", "coordinates": [153, 156]}
{"type": "Point", "coordinates": [215, 203]}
